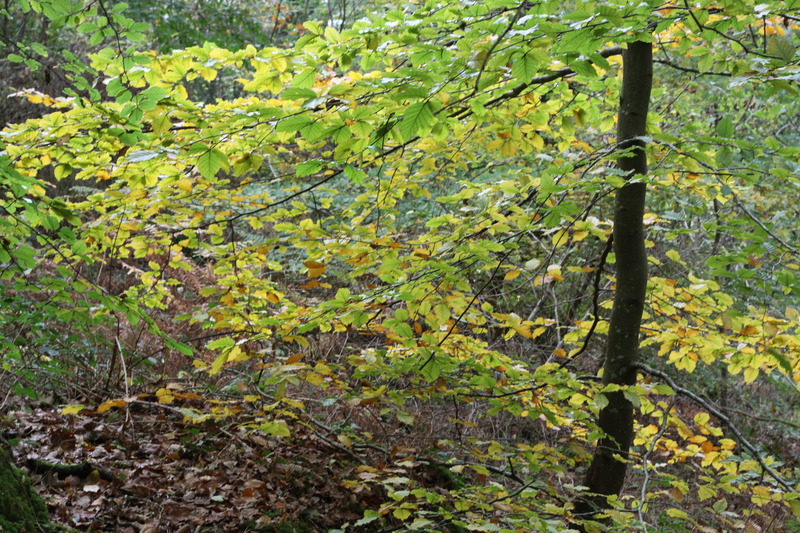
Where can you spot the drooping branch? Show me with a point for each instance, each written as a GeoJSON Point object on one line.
{"type": "Point", "coordinates": [722, 418]}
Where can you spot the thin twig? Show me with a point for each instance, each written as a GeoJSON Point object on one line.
{"type": "Point", "coordinates": [646, 458]}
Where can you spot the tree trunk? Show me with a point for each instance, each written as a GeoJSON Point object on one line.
{"type": "Point", "coordinates": [21, 510]}
{"type": "Point", "coordinates": [606, 474]}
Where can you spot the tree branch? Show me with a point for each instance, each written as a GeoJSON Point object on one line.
{"type": "Point", "coordinates": [722, 418]}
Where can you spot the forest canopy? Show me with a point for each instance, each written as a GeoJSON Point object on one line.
{"type": "Point", "coordinates": [517, 266]}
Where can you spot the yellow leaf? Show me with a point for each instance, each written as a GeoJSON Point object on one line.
{"type": "Point", "coordinates": [676, 513]}
{"type": "Point", "coordinates": [523, 330]}
{"type": "Point", "coordinates": [760, 495]}
{"type": "Point", "coordinates": [185, 185]}
{"type": "Point", "coordinates": [237, 354]}
{"type": "Point", "coordinates": [508, 149]}
{"type": "Point", "coordinates": [750, 374]}
{"type": "Point", "coordinates": [216, 366]}
{"type": "Point", "coordinates": [701, 418]}
{"type": "Point", "coordinates": [279, 63]}
{"type": "Point", "coordinates": [560, 238]}
{"type": "Point", "coordinates": [536, 141]}
{"type": "Point", "coordinates": [401, 514]}
{"type": "Point", "coordinates": [73, 409]}
{"type": "Point", "coordinates": [314, 378]}
{"type": "Point", "coordinates": [579, 235]}
{"type": "Point", "coordinates": [165, 396]}
{"type": "Point", "coordinates": [511, 275]}
{"type": "Point", "coordinates": [323, 369]}
{"type": "Point", "coordinates": [705, 492]}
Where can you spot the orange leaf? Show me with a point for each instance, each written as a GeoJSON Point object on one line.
{"type": "Point", "coordinates": [748, 330]}
{"type": "Point", "coordinates": [295, 357]}
{"type": "Point", "coordinates": [105, 406]}
{"type": "Point", "coordinates": [273, 297]}
{"type": "Point", "coordinates": [316, 272]}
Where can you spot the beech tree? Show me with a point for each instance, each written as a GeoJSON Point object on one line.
{"type": "Point", "coordinates": [433, 192]}
{"type": "Point", "coordinates": [606, 475]}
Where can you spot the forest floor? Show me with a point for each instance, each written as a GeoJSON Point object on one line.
{"type": "Point", "coordinates": [152, 470]}
{"type": "Point", "coordinates": [176, 477]}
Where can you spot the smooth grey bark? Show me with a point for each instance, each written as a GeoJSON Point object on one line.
{"type": "Point", "coordinates": [606, 474]}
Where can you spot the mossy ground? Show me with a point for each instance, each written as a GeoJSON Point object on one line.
{"type": "Point", "coordinates": [21, 509]}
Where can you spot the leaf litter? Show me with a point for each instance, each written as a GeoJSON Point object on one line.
{"type": "Point", "coordinates": [178, 477]}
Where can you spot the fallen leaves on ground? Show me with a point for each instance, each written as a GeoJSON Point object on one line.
{"type": "Point", "coordinates": [177, 477]}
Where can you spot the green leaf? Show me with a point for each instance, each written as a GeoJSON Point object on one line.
{"type": "Point", "coordinates": [369, 516]}
{"type": "Point", "coordinates": [305, 80]}
{"type": "Point", "coordinates": [584, 68]}
{"type": "Point", "coordinates": [293, 123]}
{"type": "Point", "coordinates": [298, 93]}
{"type": "Point", "coordinates": [277, 428]}
{"type": "Point", "coordinates": [224, 342]}
{"type": "Point", "coordinates": [781, 47]}
{"type": "Point", "coordinates": [154, 93]}
{"type": "Point", "coordinates": [403, 329]}
{"type": "Point", "coordinates": [417, 117]}
{"type": "Point", "coordinates": [211, 162]}
{"type": "Point", "coordinates": [309, 167]}
{"type": "Point", "coordinates": [86, 27]}
{"type": "Point", "coordinates": [725, 128]}
{"type": "Point", "coordinates": [405, 418]}
{"type": "Point", "coordinates": [355, 175]}
{"type": "Point", "coordinates": [342, 295]}
{"type": "Point", "coordinates": [724, 156]}
{"type": "Point", "coordinates": [24, 255]}
{"type": "Point", "coordinates": [172, 344]}
{"type": "Point", "coordinates": [524, 68]}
